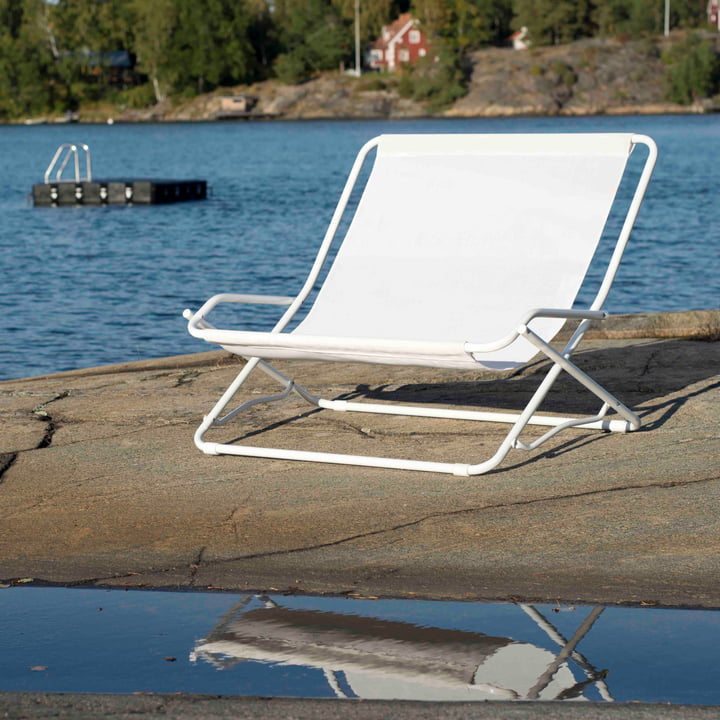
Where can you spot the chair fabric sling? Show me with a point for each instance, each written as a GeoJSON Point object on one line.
{"type": "Point", "coordinates": [466, 252]}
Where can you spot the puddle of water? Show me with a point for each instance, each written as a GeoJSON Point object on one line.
{"type": "Point", "coordinates": [117, 641]}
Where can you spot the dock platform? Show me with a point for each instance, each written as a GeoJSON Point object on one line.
{"type": "Point", "coordinates": [119, 191]}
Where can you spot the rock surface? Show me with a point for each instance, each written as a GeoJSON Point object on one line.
{"type": "Point", "coordinates": [101, 482]}
{"type": "Point", "coordinates": [588, 77]}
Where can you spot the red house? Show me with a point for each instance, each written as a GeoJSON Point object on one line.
{"type": "Point", "coordinates": [400, 43]}
{"type": "Point", "coordinates": [713, 12]}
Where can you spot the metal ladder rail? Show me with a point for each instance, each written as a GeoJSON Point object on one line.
{"type": "Point", "coordinates": [70, 150]}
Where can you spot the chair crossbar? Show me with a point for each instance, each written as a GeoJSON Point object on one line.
{"type": "Point", "coordinates": [595, 422]}
{"type": "Point", "coordinates": [582, 377]}
{"type": "Point", "coordinates": [335, 458]}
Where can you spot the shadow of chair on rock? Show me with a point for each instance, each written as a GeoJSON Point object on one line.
{"type": "Point", "coordinates": [649, 375]}
{"type": "Point", "coordinates": [643, 374]}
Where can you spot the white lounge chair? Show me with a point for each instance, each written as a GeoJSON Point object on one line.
{"type": "Point", "coordinates": [465, 251]}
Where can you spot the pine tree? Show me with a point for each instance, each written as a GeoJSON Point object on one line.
{"type": "Point", "coordinates": [29, 81]}
{"type": "Point", "coordinates": [465, 24]}
{"type": "Point", "coordinates": [314, 35]}
{"type": "Point", "coordinates": [211, 44]}
{"type": "Point", "coordinates": [551, 22]}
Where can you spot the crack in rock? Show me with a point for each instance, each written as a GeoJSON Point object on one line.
{"type": "Point", "coordinates": [7, 460]}
{"type": "Point", "coordinates": [40, 412]}
{"type": "Point", "coordinates": [196, 564]}
{"type": "Point", "coordinates": [199, 561]}
{"type": "Point", "coordinates": [457, 513]}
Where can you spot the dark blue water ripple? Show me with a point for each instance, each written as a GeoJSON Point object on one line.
{"type": "Point", "coordinates": [91, 286]}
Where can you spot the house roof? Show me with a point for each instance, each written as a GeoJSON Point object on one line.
{"type": "Point", "coordinates": [394, 30]}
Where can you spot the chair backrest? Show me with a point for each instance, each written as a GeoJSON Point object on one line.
{"type": "Point", "coordinates": [456, 237]}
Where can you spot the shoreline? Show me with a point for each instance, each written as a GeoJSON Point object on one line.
{"type": "Point", "coordinates": [591, 77]}
{"type": "Point", "coordinates": [149, 117]}
{"type": "Point", "coordinates": [621, 112]}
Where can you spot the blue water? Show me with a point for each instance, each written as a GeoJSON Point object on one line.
{"type": "Point", "coordinates": [90, 286]}
{"type": "Point", "coordinates": [90, 640]}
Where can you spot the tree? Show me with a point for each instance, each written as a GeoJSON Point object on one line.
{"type": "Point", "coordinates": [465, 24]}
{"type": "Point", "coordinates": [454, 28]}
{"type": "Point", "coordinates": [687, 13]}
{"type": "Point", "coordinates": [551, 22]}
{"type": "Point", "coordinates": [154, 23]}
{"type": "Point", "coordinates": [693, 70]}
{"type": "Point", "coordinates": [373, 15]}
{"type": "Point", "coordinates": [314, 36]}
{"type": "Point", "coordinates": [211, 44]}
{"type": "Point", "coordinates": [29, 81]}
{"type": "Point", "coordinates": [263, 35]}
{"type": "Point", "coordinates": [94, 26]}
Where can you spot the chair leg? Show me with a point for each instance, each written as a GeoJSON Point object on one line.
{"type": "Point", "coordinates": [213, 417]}
{"type": "Point", "coordinates": [633, 421]}
{"type": "Point", "coordinates": [511, 441]}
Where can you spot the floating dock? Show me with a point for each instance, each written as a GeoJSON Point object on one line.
{"type": "Point", "coordinates": [122, 191]}
{"type": "Point", "coordinates": [84, 190]}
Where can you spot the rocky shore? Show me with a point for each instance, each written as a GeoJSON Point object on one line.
{"type": "Point", "coordinates": [100, 482]}
{"type": "Point", "coordinates": [588, 77]}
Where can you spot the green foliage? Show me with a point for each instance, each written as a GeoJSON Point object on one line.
{"type": "Point", "coordinates": [291, 69]}
{"type": "Point", "coordinates": [693, 70]}
{"type": "Point", "coordinates": [155, 21]}
{"type": "Point", "coordinates": [83, 24]}
{"type": "Point", "coordinates": [557, 21]}
{"type": "Point", "coordinates": [376, 81]}
{"type": "Point", "coordinates": [138, 97]}
{"type": "Point", "coordinates": [314, 36]}
{"type": "Point", "coordinates": [436, 83]}
{"type": "Point", "coordinates": [373, 15]}
{"type": "Point", "coordinates": [629, 17]}
{"type": "Point", "coordinates": [565, 74]}
{"type": "Point", "coordinates": [49, 48]}
{"type": "Point", "coordinates": [211, 45]}
{"type": "Point", "coordinates": [463, 25]}
{"type": "Point", "coordinates": [30, 83]}
{"type": "Point", "coordinates": [551, 22]}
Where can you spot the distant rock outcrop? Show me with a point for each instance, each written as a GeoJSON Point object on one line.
{"type": "Point", "coordinates": [587, 77]}
{"type": "Point", "coordinates": [584, 78]}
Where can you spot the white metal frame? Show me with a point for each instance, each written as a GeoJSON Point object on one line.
{"type": "Point", "coordinates": [624, 421]}
{"type": "Point", "coordinates": [63, 155]}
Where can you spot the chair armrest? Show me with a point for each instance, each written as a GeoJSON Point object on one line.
{"type": "Point", "coordinates": [567, 314]}
{"type": "Point", "coordinates": [196, 320]}
{"type": "Point", "coordinates": [480, 348]}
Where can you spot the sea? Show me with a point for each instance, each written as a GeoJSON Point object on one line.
{"type": "Point", "coordinates": [89, 286]}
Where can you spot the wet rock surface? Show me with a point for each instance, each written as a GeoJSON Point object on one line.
{"type": "Point", "coordinates": [90, 707]}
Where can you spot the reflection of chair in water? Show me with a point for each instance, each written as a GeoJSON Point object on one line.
{"type": "Point", "coordinates": [398, 660]}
